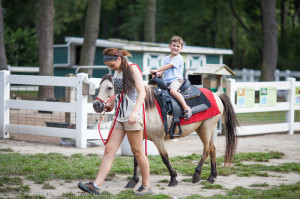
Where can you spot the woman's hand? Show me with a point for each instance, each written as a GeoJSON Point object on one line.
{"type": "Point", "coordinates": [132, 118]}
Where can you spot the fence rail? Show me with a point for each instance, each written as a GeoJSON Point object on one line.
{"type": "Point", "coordinates": [80, 107]}
{"type": "Point", "coordinates": [289, 106]}
{"type": "Point", "coordinates": [250, 75]}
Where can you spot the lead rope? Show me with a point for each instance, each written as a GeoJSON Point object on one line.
{"type": "Point", "coordinates": [101, 118]}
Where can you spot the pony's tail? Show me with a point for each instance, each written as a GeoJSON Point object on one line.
{"type": "Point", "coordinates": [231, 123]}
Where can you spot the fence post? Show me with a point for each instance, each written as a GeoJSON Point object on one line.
{"type": "Point", "coordinates": [277, 75]}
{"type": "Point", "coordinates": [287, 74]}
{"type": "Point", "coordinates": [230, 90]}
{"type": "Point", "coordinates": [290, 115]}
{"type": "Point", "coordinates": [4, 96]}
{"type": "Point", "coordinates": [244, 75]}
{"type": "Point", "coordinates": [81, 113]}
{"type": "Point", "coordinates": [251, 75]}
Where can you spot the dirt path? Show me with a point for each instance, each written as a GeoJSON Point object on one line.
{"type": "Point", "coordinates": [287, 144]}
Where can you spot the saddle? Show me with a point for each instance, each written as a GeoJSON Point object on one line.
{"type": "Point", "coordinates": [170, 106]}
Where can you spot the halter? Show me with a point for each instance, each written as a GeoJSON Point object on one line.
{"type": "Point", "coordinates": [104, 103]}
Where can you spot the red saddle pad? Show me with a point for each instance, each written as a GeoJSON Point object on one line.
{"type": "Point", "coordinates": [203, 115]}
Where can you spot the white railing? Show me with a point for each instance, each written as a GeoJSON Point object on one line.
{"type": "Point", "coordinates": [250, 75]}
{"type": "Point", "coordinates": [80, 107]}
{"type": "Point", "coordinates": [289, 106]}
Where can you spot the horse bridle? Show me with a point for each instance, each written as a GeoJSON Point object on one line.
{"type": "Point", "coordinates": [104, 103]}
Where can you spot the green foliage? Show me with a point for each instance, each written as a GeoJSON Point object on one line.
{"type": "Point", "coordinates": [6, 150]}
{"type": "Point", "coordinates": [21, 46]}
{"type": "Point", "coordinates": [203, 23]}
{"type": "Point", "coordinates": [69, 19]}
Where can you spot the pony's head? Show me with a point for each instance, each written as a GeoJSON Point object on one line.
{"type": "Point", "coordinates": [105, 98]}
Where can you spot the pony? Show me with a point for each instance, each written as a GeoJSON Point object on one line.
{"type": "Point", "coordinates": [156, 134]}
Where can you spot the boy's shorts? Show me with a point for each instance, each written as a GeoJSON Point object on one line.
{"type": "Point", "coordinates": [139, 125]}
{"type": "Point", "coordinates": [175, 84]}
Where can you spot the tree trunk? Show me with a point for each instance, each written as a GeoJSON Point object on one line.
{"type": "Point", "coordinates": [270, 48]}
{"type": "Point", "coordinates": [150, 24]}
{"type": "Point", "coordinates": [45, 40]}
{"type": "Point", "coordinates": [283, 16]}
{"type": "Point", "coordinates": [3, 60]}
{"type": "Point", "coordinates": [233, 46]}
{"type": "Point", "coordinates": [91, 31]}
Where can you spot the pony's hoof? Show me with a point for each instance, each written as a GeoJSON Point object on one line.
{"type": "Point", "coordinates": [173, 183]}
{"type": "Point", "coordinates": [196, 178]}
{"type": "Point", "coordinates": [131, 184]}
{"type": "Point", "coordinates": [211, 179]}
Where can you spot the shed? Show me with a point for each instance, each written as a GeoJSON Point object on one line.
{"type": "Point", "coordinates": [212, 75]}
{"type": "Point", "coordinates": [147, 55]}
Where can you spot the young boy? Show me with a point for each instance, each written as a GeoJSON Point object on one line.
{"type": "Point", "coordinates": [173, 71]}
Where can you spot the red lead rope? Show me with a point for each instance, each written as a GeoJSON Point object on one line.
{"type": "Point", "coordinates": [144, 119]}
{"type": "Point", "coordinates": [112, 128]}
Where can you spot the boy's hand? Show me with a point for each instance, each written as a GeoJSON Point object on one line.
{"type": "Point", "coordinates": [153, 71]}
{"type": "Point", "coordinates": [159, 74]}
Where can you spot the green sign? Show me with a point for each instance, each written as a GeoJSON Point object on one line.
{"type": "Point", "coordinates": [245, 97]}
{"type": "Point", "coordinates": [268, 96]}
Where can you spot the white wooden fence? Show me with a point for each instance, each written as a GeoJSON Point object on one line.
{"type": "Point", "coordinates": [289, 106]}
{"type": "Point", "coordinates": [250, 75]}
{"type": "Point", "coordinates": [80, 107]}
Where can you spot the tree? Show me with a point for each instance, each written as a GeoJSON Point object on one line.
{"type": "Point", "coordinates": [150, 22]}
{"type": "Point", "coordinates": [3, 61]}
{"type": "Point", "coordinates": [45, 40]}
{"type": "Point", "coordinates": [270, 48]}
{"type": "Point", "coordinates": [91, 31]}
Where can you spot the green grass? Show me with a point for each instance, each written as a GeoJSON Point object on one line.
{"type": "Point", "coordinates": [44, 167]}
{"type": "Point", "coordinates": [260, 185]}
{"type": "Point", "coordinates": [6, 150]}
{"type": "Point", "coordinates": [265, 117]}
{"type": "Point", "coordinates": [41, 168]}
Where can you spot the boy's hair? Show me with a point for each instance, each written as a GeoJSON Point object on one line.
{"type": "Point", "coordinates": [177, 39]}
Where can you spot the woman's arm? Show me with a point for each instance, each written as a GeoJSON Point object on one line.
{"type": "Point", "coordinates": [139, 85]}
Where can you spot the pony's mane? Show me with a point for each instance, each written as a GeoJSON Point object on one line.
{"type": "Point", "coordinates": [105, 77]}
{"type": "Point", "coordinates": [150, 98]}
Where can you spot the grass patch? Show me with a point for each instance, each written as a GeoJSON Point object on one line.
{"type": "Point", "coordinates": [213, 186]}
{"type": "Point", "coordinates": [44, 167]}
{"type": "Point", "coordinates": [164, 181]}
{"type": "Point", "coordinates": [48, 186]}
{"type": "Point", "coordinates": [188, 180]}
{"type": "Point", "coordinates": [6, 150]}
{"type": "Point", "coordinates": [260, 185]}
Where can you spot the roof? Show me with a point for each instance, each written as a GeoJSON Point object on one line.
{"type": "Point", "coordinates": [149, 46]}
{"type": "Point", "coordinates": [214, 69]}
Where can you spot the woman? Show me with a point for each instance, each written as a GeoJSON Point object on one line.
{"type": "Point", "coordinates": [129, 119]}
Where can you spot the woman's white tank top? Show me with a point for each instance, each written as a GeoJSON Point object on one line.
{"type": "Point", "coordinates": [128, 100]}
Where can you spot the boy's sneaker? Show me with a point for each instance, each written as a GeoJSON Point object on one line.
{"type": "Point", "coordinates": [143, 190]}
{"type": "Point", "coordinates": [89, 188]}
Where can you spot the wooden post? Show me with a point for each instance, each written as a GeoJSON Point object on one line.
{"type": "Point", "coordinates": [4, 97]}
{"type": "Point", "coordinates": [70, 93]}
{"type": "Point", "coordinates": [290, 115]}
{"type": "Point", "coordinates": [81, 113]}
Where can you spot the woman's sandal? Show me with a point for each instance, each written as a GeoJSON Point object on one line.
{"type": "Point", "coordinates": [187, 114]}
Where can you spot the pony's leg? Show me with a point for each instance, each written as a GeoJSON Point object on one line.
{"type": "Point", "coordinates": [135, 179]}
{"type": "Point", "coordinates": [205, 131]}
{"type": "Point", "coordinates": [213, 164]}
{"type": "Point", "coordinates": [160, 145]}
